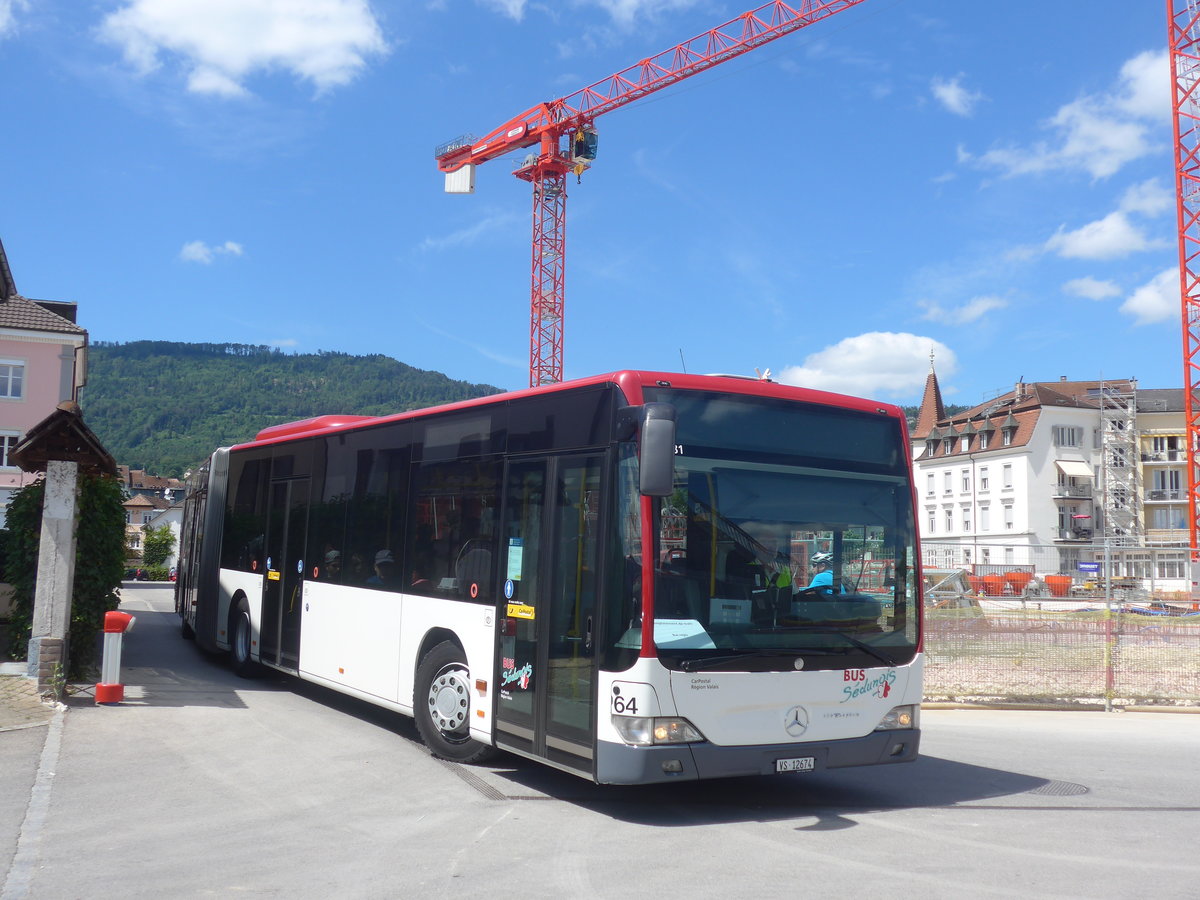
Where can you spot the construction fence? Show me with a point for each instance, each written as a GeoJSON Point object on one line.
{"type": "Point", "coordinates": [1037, 629]}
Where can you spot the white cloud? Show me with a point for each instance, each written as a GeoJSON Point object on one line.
{"type": "Point", "coordinates": [198, 251]}
{"type": "Point", "coordinates": [873, 364]}
{"type": "Point", "coordinates": [970, 311]}
{"type": "Point", "coordinates": [8, 22]}
{"type": "Point", "coordinates": [954, 97]}
{"type": "Point", "coordinates": [470, 234]}
{"type": "Point", "coordinates": [1090, 288]}
{"type": "Point", "coordinates": [1112, 237]}
{"type": "Point", "coordinates": [1155, 301]}
{"type": "Point", "coordinates": [1150, 198]}
{"type": "Point", "coordinates": [1099, 133]}
{"type": "Point", "coordinates": [221, 43]}
{"type": "Point", "coordinates": [624, 12]}
{"type": "Point", "coordinates": [514, 9]}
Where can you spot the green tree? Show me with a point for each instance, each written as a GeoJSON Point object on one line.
{"type": "Point", "coordinates": [157, 545]}
{"type": "Point", "coordinates": [99, 564]}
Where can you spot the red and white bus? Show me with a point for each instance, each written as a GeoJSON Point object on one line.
{"type": "Point", "coordinates": [617, 576]}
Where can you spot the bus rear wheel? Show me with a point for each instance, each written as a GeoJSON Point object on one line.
{"type": "Point", "coordinates": [443, 706]}
{"type": "Point", "coordinates": [239, 653]}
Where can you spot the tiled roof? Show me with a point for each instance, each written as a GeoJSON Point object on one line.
{"type": "Point", "coordinates": [7, 287]}
{"type": "Point", "coordinates": [1019, 410]}
{"type": "Point", "coordinates": [19, 312]}
{"type": "Point", "coordinates": [932, 411]}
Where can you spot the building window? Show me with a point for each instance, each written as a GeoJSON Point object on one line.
{"type": "Point", "coordinates": [12, 379]}
{"type": "Point", "coordinates": [949, 520]}
{"type": "Point", "coordinates": [966, 481]}
{"type": "Point", "coordinates": [947, 487]}
{"type": "Point", "coordinates": [1067, 436]}
{"type": "Point", "coordinates": [932, 521]}
{"type": "Point", "coordinates": [147, 518]}
{"type": "Point", "coordinates": [984, 518]}
{"type": "Point", "coordinates": [1008, 516]}
{"type": "Point", "coordinates": [931, 448]}
{"type": "Point", "coordinates": [985, 555]}
{"type": "Point", "coordinates": [966, 519]}
{"type": "Point", "coordinates": [128, 517]}
{"type": "Point", "coordinates": [929, 486]}
{"type": "Point", "coordinates": [1008, 477]}
{"type": "Point", "coordinates": [983, 440]}
{"type": "Point", "coordinates": [7, 443]}
{"type": "Point", "coordinates": [1008, 437]}
{"type": "Point", "coordinates": [964, 444]}
{"type": "Point", "coordinates": [983, 479]}
{"type": "Point", "coordinates": [947, 445]}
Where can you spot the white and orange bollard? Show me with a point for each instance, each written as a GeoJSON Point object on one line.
{"type": "Point", "coordinates": [110, 689]}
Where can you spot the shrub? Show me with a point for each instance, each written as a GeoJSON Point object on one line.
{"type": "Point", "coordinates": [99, 564]}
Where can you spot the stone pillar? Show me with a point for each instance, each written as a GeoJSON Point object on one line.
{"type": "Point", "coordinates": [55, 578]}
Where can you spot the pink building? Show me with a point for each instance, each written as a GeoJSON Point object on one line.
{"type": "Point", "coordinates": [43, 362]}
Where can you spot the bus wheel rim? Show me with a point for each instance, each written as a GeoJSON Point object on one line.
{"type": "Point", "coordinates": [449, 696]}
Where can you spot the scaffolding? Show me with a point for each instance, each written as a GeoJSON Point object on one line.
{"type": "Point", "coordinates": [1121, 485]}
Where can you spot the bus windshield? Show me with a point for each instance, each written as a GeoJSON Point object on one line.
{"type": "Point", "coordinates": [788, 541]}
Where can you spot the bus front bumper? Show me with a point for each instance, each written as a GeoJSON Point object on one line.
{"type": "Point", "coordinates": [623, 764]}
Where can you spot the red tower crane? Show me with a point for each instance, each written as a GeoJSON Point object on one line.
{"type": "Point", "coordinates": [1184, 42]}
{"type": "Point", "coordinates": [566, 142]}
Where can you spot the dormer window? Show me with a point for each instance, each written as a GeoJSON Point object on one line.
{"type": "Point", "coordinates": [947, 445]}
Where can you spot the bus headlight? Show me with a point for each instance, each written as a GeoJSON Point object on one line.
{"type": "Point", "coordinates": [898, 718]}
{"type": "Point", "coordinates": [645, 731]}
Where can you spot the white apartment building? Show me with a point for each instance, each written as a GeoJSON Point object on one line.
{"type": "Point", "coordinates": [1054, 474]}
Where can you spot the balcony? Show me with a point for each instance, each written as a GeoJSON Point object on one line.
{"type": "Point", "coordinates": [1074, 534]}
{"type": "Point", "coordinates": [1071, 490]}
{"type": "Point", "coordinates": [1165, 456]}
{"type": "Point", "coordinates": [1165, 496]}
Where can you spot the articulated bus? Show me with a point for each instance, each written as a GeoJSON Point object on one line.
{"type": "Point", "coordinates": [637, 577]}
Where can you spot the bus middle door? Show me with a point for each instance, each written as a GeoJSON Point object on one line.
{"type": "Point", "coordinates": [287, 517]}
{"type": "Point", "coordinates": [550, 557]}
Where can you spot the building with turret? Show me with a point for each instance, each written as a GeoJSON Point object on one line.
{"type": "Point", "coordinates": [1052, 477]}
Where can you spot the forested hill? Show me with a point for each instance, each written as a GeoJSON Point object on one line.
{"type": "Point", "coordinates": [164, 406]}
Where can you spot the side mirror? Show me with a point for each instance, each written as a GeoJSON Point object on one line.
{"type": "Point", "coordinates": [657, 450]}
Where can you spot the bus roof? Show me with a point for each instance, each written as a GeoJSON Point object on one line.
{"type": "Point", "coordinates": [631, 383]}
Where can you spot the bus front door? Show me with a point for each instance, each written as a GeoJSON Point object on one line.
{"type": "Point", "coordinates": [287, 518]}
{"type": "Point", "coordinates": [550, 554]}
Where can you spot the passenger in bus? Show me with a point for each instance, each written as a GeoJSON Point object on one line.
{"type": "Point", "coordinates": [823, 577]}
{"type": "Point", "coordinates": [419, 582]}
{"type": "Point", "coordinates": [385, 569]}
{"type": "Point", "coordinates": [358, 571]}
{"type": "Point", "coordinates": [332, 570]}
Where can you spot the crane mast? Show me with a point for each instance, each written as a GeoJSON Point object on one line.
{"type": "Point", "coordinates": [563, 133]}
{"type": "Point", "coordinates": [1184, 42]}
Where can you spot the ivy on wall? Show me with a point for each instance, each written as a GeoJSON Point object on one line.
{"type": "Point", "coordinates": [99, 564]}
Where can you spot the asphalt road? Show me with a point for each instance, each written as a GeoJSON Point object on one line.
{"type": "Point", "coordinates": [204, 785]}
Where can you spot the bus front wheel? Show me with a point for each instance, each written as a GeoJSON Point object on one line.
{"type": "Point", "coordinates": [443, 706]}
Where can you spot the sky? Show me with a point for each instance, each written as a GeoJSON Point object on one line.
{"type": "Point", "coordinates": [988, 184]}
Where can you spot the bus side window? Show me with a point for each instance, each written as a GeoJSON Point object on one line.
{"type": "Point", "coordinates": [453, 532]}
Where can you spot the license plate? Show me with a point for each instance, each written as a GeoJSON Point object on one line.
{"type": "Point", "coordinates": [797, 764]}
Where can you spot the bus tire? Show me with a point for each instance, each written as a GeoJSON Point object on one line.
{"type": "Point", "coordinates": [239, 642]}
{"type": "Point", "coordinates": [443, 706]}
{"type": "Point", "coordinates": [186, 630]}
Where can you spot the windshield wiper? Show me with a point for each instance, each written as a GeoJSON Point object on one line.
{"type": "Point", "coordinates": [711, 662]}
{"type": "Point", "coordinates": [861, 645]}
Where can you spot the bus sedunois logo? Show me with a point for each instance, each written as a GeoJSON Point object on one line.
{"type": "Point", "coordinates": [795, 722]}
